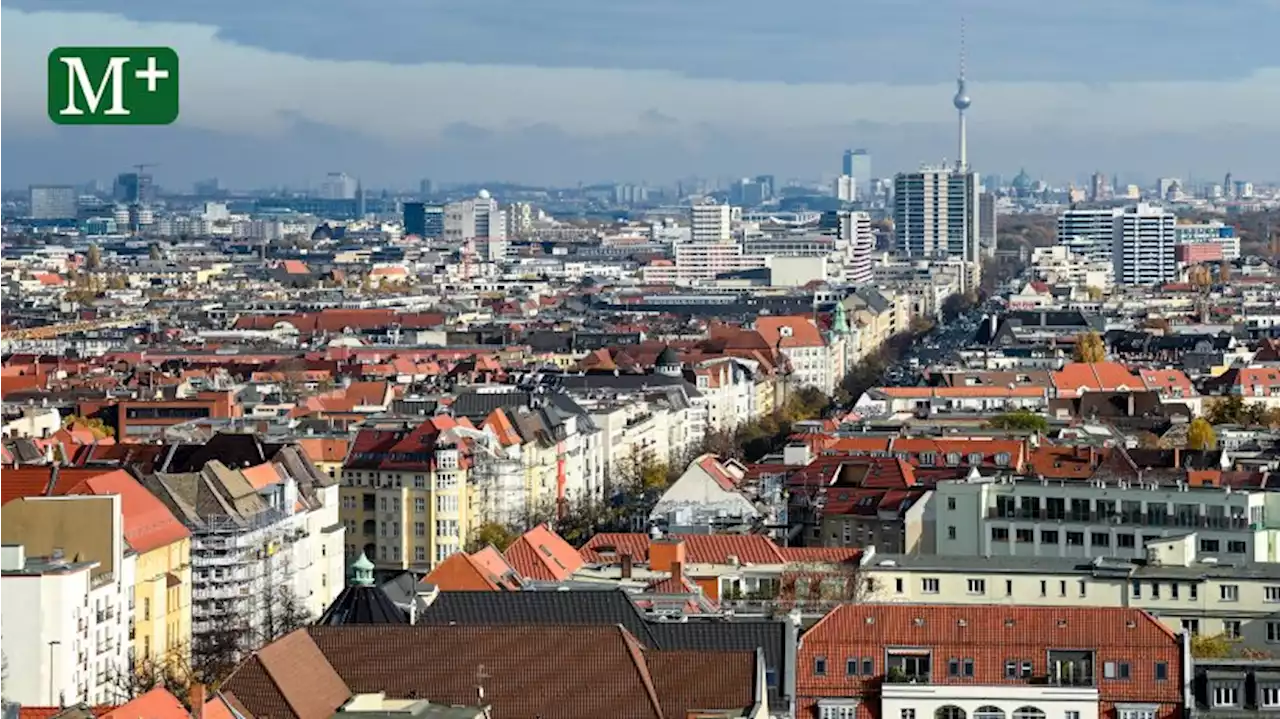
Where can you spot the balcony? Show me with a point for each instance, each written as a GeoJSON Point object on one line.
{"type": "Point", "coordinates": [1137, 519]}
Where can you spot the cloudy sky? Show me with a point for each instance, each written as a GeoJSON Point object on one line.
{"type": "Point", "coordinates": [568, 91]}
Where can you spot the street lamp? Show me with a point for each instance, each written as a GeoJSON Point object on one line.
{"type": "Point", "coordinates": [52, 643]}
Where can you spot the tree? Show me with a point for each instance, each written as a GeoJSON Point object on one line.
{"type": "Point", "coordinates": [1229, 410]}
{"type": "Point", "coordinates": [957, 304]}
{"type": "Point", "coordinates": [1095, 293]}
{"type": "Point", "coordinates": [825, 582]}
{"type": "Point", "coordinates": [216, 653]}
{"type": "Point", "coordinates": [95, 425]}
{"type": "Point", "coordinates": [1200, 277]}
{"type": "Point", "coordinates": [93, 258]}
{"type": "Point", "coordinates": [154, 252]}
{"type": "Point", "coordinates": [284, 613]}
{"type": "Point", "coordinates": [1148, 440]}
{"type": "Point", "coordinates": [1023, 420]}
{"type": "Point", "coordinates": [1200, 434]}
{"type": "Point", "coordinates": [1224, 272]}
{"type": "Point", "coordinates": [1089, 348]}
{"type": "Point", "coordinates": [1215, 646]}
{"type": "Point", "coordinates": [168, 671]}
{"type": "Point", "coordinates": [500, 536]}
{"type": "Point", "coordinates": [1156, 323]}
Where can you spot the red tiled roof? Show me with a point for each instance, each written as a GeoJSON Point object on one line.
{"type": "Point", "coordinates": [155, 704]}
{"type": "Point", "coordinates": [148, 523]}
{"type": "Point", "coordinates": [542, 554]}
{"type": "Point", "coordinates": [699, 548]}
{"type": "Point", "coordinates": [34, 481]}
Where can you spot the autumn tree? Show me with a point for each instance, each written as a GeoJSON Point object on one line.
{"type": "Point", "coordinates": [1089, 348]}
{"type": "Point", "coordinates": [155, 253]}
{"type": "Point", "coordinates": [1210, 646]}
{"type": "Point", "coordinates": [1200, 434]}
{"type": "Point", "coordinates": [499, 535]}
{"type": "Point", "coordinates": [93, 258]}
{"type": "Point", "coordinates": [1095, 293]}
{"type": "Point", "coordinates": [1224, 272]}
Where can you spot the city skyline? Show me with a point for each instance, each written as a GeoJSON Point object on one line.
{"type": "Point", "coordinates": [259, 101]}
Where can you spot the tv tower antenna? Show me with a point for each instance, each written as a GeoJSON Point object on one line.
{"type": "Point", "coordinates": [962, 101]}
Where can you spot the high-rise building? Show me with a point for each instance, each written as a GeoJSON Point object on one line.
{"type": "Point", "coordinates": [710, 223]}
{"type": "Point", "coordinates": [1098, 187]}
{"type": "Point", "coordinates": [134, 187]}
{"type": "Point", "coordinates": [767, 185]}
{"type": "Point", "coordinates": [1143, 241]}
{"type": "Point", "coordinates": [1088, 232]}
{"type": "Point", "coordinates": [846, 189]}
{"type": "Point", "coordinates": [53, 202]}
{"type": "Point", "coordinates": [936, 214]}
{"type": "Point", "coordinates": [857, 165]}
{"type": "Point", "coordinates": [747, 192]}
{"type": "Point", "coordinates": [477, 218]}
{"type": "Point", "coordinates": [987, 228]}
{"type": "Point", "coordinates": [338, 186]}
{"type": "Point", "coordinates": [426, 188]}
{"type": "Point", "coordinates": [210, 186]}
{"type": "Point", "coordinates": [859, 242]}
{"type": "Point", "coordinates": [415, 218]}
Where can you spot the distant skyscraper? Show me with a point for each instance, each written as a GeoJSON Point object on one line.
{"type": "Point", "coordinates": [478, 217]}
{"type": "Point", "coordinates": [53, 202]}
{"type": "Point", "coordinates": [767, 185]}
{"type": "Point", "coordinates": [415, 219]}
{"type": "Point", "coordinates": [133, 187]}
{"type": "Point", "coordinates": [426, 188]}
{"type": "Point", "coordinates": [1097, 187]}
{"type": "Point", "coordinates": [859, 168]}
{"type": "Point", "coordinates": [210, 186]}
{"type": "Point", "coordinates": [846, 189]}
{"type": "Point", "coordinates": [1143, 240]}
{"type": "Point", "coordinates": [987, 223]}
{"type": "Point", "coordinates": [338, 186]}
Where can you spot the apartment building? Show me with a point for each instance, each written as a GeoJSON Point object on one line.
{"type": "Point", "coordinates": [989, 661]}
{"type": "Point", "coordinates": [1240, 602]}
{"type": "Point", "coordinates": [1088, 233]}
{"type": "Point", "coordinates": [405, 495]}
{"type": "Point", "coordinates": [1143, 245]}
{"type": "Point", "coordinates": [816, 360]}
{"type": "Point", "coordinates": [695, 262]}
{"type": "Point", "coordinates": [1114, 512]}
{"type": "Point", "coordinates": [936, 214]}
{"type": "Point", "coordinates": [266, 536]}
{"type": "Point", "coordinates": [68, 599]}
{"type": "Point", "coordinates": [710, 223]}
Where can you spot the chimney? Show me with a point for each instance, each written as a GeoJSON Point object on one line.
{"type": "Point", "coordinates": [1132, 404]}
{"type": "Point", "coordinates": [1177, 458]}
{"type": "Point", "coordinates": [198, 699]}
{"type": "Point", "coordinates": [677, 571]}
{"type": "Point", "coordinates": [627, 564]}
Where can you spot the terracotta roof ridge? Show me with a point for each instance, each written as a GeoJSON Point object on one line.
{"type": "Point", "coordinates": [636, 652]}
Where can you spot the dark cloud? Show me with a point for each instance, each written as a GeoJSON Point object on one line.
{"type": "Point", "coordinates": [895, 41]}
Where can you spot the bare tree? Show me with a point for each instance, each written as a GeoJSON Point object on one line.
{"type": "Point", "coordinates": [170, 671]}
{"type": "Point", "coordinates": [285, 613]}
{"type": "Point", "coordinates": [215, 654]}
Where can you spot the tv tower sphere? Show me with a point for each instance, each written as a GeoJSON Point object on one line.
{"type": "Point", "coordinates": [961, 100]}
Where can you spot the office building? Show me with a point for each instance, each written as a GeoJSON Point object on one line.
{"type": "Point", "coordinates": [1143, 245]}
{"type": "Point", "coordinates": [1209, 233]}
{"type": "Point", "coordinates": [339, 186]}
{"type": "Point", "coordinates": [134, 187]}
{"type": "Point", "coordinates": [936, 214]}
{"type": "Point", "coordinates": [987, 228]}
{"type": "Point", "coordinates": [415, 218]}
{"type": "Point", "coordinates": [845, 189]}
{"type": "Point", "coordinates": [857, 165]}
{"type": "Point", "coordinates": [472, 219]}
{"type": "Point", "coordinates": [710, 223]}
{"type": "Point", "coordinates": [53, 202]}
{"type": "Point", "coordinates": [426, 188]}
{"type": "Point", "coordinates": [748, 192]}
{"type": "Point", "coordinates": [1088, 233]}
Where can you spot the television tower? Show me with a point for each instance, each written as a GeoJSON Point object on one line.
{"type": "Point", "coordinates": [962, 102]}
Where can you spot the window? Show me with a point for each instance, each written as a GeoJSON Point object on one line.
{"type": "Point", "coordinates": [851, 666]}
{"type": "Point", "coordinates": [1231, 628]}
{"type": "Point", "coordinates": [447, 504]}
{"type": "Point", "coordinates": [898, 585]}
{"type": "Point", "coordinates": [1173, 590]}
{"type": "Point", "coordinates": [1028, 713]}
{"type": "Point", "coordinates": [1229, 592]}
{"type": "Point", "coordinates": [446, 527]}
{"type": "Point", "coordinates": [1071, 715]}
{"type": "Point", "coordinates": [951, 501]}
{"type": "Point", "coordinates": [1109, 670]}
{"type": "Point", "coordinates": [968, 667]}
{"type": "Point", "coordinates": [949, 712]}
{"type": "Point", "coordinates": [1155, 590]}
{"type": "Point", "coordinates": [1011, 669]}
{"type": "Point", "coordinates": [868, 666]}
{"type": "Point", "coordinates": [1049, 536]}
{"type": "Point", "coordinates": [382, 504]}
{"type": "Point", "coordinates": [951, 532]}
{"type": "Point", "coordinates": [1062, 588]}
{"type": "Point", "coordinates": [977, 586]}
{"type": "Point", "coordinates": [419, 481]}
{"type": "Point", "coordinates": [1075, 539]}
{"type": "Point", "coordinates": [820, 666]}
{"type": "Point", "coordinates": [1273, 631]}
{"type": "Point", "coordinates": [420, 505]}
{"type": "Point", "coordinates": [1137, 714]}
{"type": "Point", "coordinates": [908, 714]}
{"type": "Point", "coordinates": [988, 712]}
{"type": "Point", "coordinates": [1191, 626]}
{"type": "Point", "coordinates": [1044, 588]}
{"type": "Point", "coordinates": [929, 585]}
{"type": "Point", "coordinates": [1226, 695]}
{"type": "Point", "coordinates": [953, 667]}
{"type": "Point", "coordinates": [1122, 671]}
{"type": "Point", "coordinates": [419, 529]}
{"type": "Point", "coordinates": [419, 554]}
{"type": "Point", "coordinates": [1025, 535]}
{"type": "Point", "coordinates": [1271, 594]}
{"type": "Point", "coordinates": [1210, 545]}
{"type": "Point", "coordinates": [1237, 546]}
{"type": "Point", "coordinates": [1100, 539]}
{"type": "Point", "coordinates": [1125, 541]}
{"type": "Point", "coordinates": [1084, 588]}
{"type": "Point", "coordinates": [1269, 696]}
{"type": "Point", "coordinates": [1008, 587]}
{"type": "Point", "coordinates": [1162, 671]}
{"type": "Point", "coordinates": [999, 534]}
{"type": "Point", "coordinates": [837, 711]}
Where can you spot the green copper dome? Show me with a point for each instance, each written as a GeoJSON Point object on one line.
{"type": "Point", "coordinates": [362, 571]}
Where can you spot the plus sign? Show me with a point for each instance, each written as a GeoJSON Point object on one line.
{"type": "Point", "coordinates": [151, 74]}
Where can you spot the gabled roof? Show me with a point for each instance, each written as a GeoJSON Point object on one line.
{"type": "Point", "coordinates": [148, 523]}
{"type": "Point", "coordinates": [463, 572]}
{"type": "Point", "coordinates": [155, 704]}
{"type": "Point", "coordinates": [608, 547]}
{"type": "Point", "coordinates": [542, 554]}
{"type": "Point", "coordinates": [589, 607]}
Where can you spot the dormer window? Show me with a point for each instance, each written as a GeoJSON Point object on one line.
{"type": "Point", "coordinates": [928, 458]}
{"type": "Point", "coordinates": [1225, 694]}
{"type": "Point", "coordinates": [953, 459]}
{"type": "Point", "coordinates": [1002, 459]}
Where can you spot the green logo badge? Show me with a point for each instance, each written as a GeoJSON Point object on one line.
{"type": "Point", "coordinates": [113, 85]}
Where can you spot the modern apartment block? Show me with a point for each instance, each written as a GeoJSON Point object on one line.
{"type": "Point", "coordinates": [1099, 518]}
{"type": "Point", "coordinates": [1143, 244]}
{"type": "Point", "coordinates": [1215, 233]}
{"type": "Point", "coordinates": [1237, 601]}
{"type": "Point", "coordinates": [936, 214]}
{"type": "Point", "coordinates": [710, 223]}
{"type": "Point", "coordinates": [1088, 233]}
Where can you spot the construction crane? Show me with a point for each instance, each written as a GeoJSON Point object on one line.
{"type": "Point", "coordinates": [141, 167]}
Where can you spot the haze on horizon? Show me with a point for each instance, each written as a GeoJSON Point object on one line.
{"type": "Point", "coordinates": [399, 90]}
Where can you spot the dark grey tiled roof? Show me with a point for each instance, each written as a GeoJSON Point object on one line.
{"type": "Point", "coordinates": [359, 604]}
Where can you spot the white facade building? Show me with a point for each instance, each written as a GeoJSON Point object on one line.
{"type": "Point", "coordinates": [1143, 245]}
{"type": "Point", "coordinates": [1088, 233]}
{"type": "Point", "coordinates": [936, 214]}
{"type": "Point", "coordinates": [711, 223]}
{"type": "Point", "coordinates": [479, 217]}
{"type": "Point", "coordinates": [858, 241]}
{"type": "Point", "coordinates": [1209, 232]}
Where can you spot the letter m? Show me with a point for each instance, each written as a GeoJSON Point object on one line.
{"type": "Point", "coordinates": [78, 83]}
